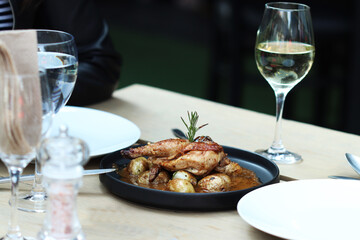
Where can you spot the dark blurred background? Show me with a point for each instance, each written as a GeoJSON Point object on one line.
{"type": "Point", "coordinates": [205, 48]}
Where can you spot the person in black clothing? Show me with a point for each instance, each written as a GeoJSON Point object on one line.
{"type": "Point", "coordinates": [99, 63]}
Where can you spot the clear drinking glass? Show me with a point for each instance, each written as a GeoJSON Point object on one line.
{"type": "Point", "coordinates": [20, 133]}
{"type": "Point", "coordinates": [34, 201]}
{"type": "Point", "coordinates": [57, 53]}
{"type": "Point", "coordinates": [284, 54]}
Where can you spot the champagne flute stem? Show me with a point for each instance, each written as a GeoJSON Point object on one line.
{"type": "Point", "coordinates": [277, 145]}
{"type": "Point", "coordinates": [14, 229]}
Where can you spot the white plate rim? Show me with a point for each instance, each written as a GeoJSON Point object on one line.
{"type": "Point", "coordinates": [280, 231]}
{"type": "Point", "coordinates": [95, 152]}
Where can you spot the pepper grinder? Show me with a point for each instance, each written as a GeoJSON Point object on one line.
{"type": "Point", "coordinates": [63, 158]}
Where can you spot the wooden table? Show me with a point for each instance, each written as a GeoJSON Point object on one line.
{"type": "Point", "coordinates": [155, 112]}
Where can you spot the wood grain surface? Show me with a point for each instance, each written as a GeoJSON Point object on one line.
{"type": "Point", "coordinates": [156, 111]}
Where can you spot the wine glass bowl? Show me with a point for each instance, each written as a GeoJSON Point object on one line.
{"type": "Point", "coordinates": [20, 132]}
{"type": "Point", "coordinates": [284, 64]}
{"type": "Point", "coordinates": [57, 53]}
{"type": "Point", "coordinates": [284, 54]}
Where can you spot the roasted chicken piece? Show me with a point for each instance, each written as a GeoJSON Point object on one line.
{"type": "Point", "coordinates": [198, 158]}
{"type": "Point", "coordinates": [196, 162]}
{"type": "Point", "coordinates": [164, 148]}
{"type": "Point", "coordinates": [145, 178]}
{"type": "Point", "coordinates": [229, 168]}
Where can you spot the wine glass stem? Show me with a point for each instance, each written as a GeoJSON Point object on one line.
{"type": "Point", "coordinates": [14, 229]}
{"type": "Point", "coordinates": [277, 143]}
{"type": "Point", "coordinates": [37, 189]}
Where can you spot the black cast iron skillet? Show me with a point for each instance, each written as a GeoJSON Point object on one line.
{"type": "Point", "coordinates": [267, 171]}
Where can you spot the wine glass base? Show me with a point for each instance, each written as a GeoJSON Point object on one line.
{"type": "Point", "coordinates": [32, 203]}
{"type": "Point", "coordinates": [21, 238]}
{"type": "Point", "coordinates": [284, 157]}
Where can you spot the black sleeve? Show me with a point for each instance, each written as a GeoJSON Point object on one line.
{"type": "Point", "coordinates": [99, 63]}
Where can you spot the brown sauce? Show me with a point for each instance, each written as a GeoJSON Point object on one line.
{"type": "Point", "coordinates": [247, 179]}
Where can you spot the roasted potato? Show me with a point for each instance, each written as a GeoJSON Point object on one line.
{"type": "Point", "coordinates": [144, 177]}
{"type": "Point", "coordinates": [224, 176]}
{"type": "Point", "coordinates": [180, 185]}
{"type": "Point", "coordinates": [137, 166]}
{"type": "Point", "coordinates": [218, 182]}
{"type": "Point", "coordinates": [182, 174]}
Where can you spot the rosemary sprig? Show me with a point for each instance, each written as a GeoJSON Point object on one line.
{"type": "Point", "coordinates": [192, 129]}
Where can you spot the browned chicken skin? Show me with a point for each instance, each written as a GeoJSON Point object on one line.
{"type": "Point", "coordinates": [197, 162]}
{"type": "Point", "coordinates": [199, 158]}
{"type": "Point", "coordinates": [164, 148]}
{"type": "Point", "coordinates": [230, 168]}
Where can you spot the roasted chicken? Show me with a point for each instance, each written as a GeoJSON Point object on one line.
{"type": "Point", "coordinates": [199, 157]}
{"type": "Point", "coordinates": [182, 166]}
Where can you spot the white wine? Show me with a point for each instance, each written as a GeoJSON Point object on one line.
{"type": "Point", "coordinates": [61, 72]}
{"type": "Point", "coordinates": [283, 64]}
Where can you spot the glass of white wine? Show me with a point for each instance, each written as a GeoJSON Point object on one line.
{"type": "Point", "coordinates": [284, 54]}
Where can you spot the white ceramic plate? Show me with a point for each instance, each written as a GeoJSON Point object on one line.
{"type": "Point", "coordinates": [305, 209]}
{"type": "Point", "coordinates": [103, 132]}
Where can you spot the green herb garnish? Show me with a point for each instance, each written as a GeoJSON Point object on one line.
{"type": "Point", "coordinates": [192, 129]}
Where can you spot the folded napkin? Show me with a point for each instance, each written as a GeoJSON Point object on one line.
{"type": "Point", "coordinates": [20, 92]}
{"type": "Point", "coordinates": [22, 45]}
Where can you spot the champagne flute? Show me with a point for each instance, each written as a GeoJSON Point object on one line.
{"type": "Point", "coordinates": [284, 54]}
{"type": "Point", "coordinates": [20, 132]}
{"type": "Point", "coordinates": [57, 53]}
